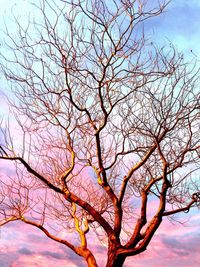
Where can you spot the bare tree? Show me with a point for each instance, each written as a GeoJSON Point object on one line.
{"type": "Point", "coordinates": [108, 121]}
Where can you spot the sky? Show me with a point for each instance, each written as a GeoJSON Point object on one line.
{"type": "Point", "coordinates": [175, 244]}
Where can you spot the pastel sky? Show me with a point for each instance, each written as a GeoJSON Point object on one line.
{"type": "Point", "coordinates": [175, 244]}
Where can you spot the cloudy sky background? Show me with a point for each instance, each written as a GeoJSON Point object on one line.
{"type": "Point", "coordinates": [175, 244]}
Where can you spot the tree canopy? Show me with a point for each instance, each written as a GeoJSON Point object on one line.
{"type": "Point", "coordinates": [108, 122]}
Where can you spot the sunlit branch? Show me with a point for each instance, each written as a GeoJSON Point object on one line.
{"type": "Point", "coordinates": [32, 171]}
{"type": "Point", "coordinates": [82, 232]}
{"type": "Point", "coordinates": [137, 166]}
{"type": "Point", "coordinates": [68, 195]}
{"type": "Point", "coordinates": [8, 220]}
{"type": "Point", "coordinates": [72, 164]}
{"type": "Point", "coordinates": [195, 200]}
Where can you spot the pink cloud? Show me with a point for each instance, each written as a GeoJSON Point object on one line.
{"type": "Point", "coordinates": [29, 247]}
{"type": "Point", "coordinates": [173, 245]}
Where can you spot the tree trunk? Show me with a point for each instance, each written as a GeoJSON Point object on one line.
{"type": "Point", "coordinates": [115, 261]}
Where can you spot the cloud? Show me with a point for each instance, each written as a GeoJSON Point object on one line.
{"type": "Point", "coordinates": [35, 238]}
{"type": "Point", "coordinates": [173, 245]}
{"type": "Point", "coordinates": [29, 247]}
{"type": "Point", "coordinates": [176, 246]}
{"type": "Point", "coordinates": [184, 245]}
{"type": "Point", "coordinates": [25, 251]}
{"type": "Point", "coordinates": [53, 254]}
{"type": "Point", "coordinates": [5, 259]}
